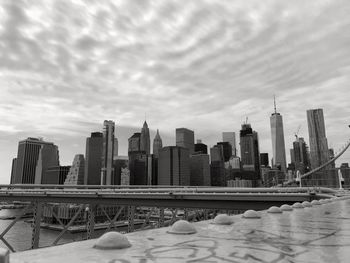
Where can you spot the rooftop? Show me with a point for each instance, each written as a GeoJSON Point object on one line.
{"type": "Point", "coordinates": [319, 233]}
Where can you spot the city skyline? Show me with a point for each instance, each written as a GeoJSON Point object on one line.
{"type": "Point", "coordinates": [202, 65]}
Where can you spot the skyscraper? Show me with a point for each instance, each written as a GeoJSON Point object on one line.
{"type": "Point", "coordinates": [200, 147]}
{"type": "Point", "coordinates": [185, 139]}
{"type": "Point", "coordinates": [300, 155]}
{"type": "Point", "coordinates": [48, 156]}
{"type": "Point", "coordinates": [107, 152]}
{"type": "Point", "coordinates": [93, 160]}
{"type": "Point", "coordinates": [174, 166]}
{"type": "Point", "coordinates": [137, 161]}
{"type": "Point", "coordinates": [157, 144]}
{"type": "Point", "coordinates": [145, 145]}
{"type": "Point", "coordinates": [200, 170]}
{"type": "Point", "coordinates": [317, 138]}
{"type": "Point", "coordinates": [249, 149]}
{"type": "Point", "coordinates": [27, 159]}
{"type": "Point", "coordinates": [231, 138]}
{"type": "Point", "coordinates": [277, 136]}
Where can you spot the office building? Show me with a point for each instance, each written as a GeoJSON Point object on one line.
{"type": "Point", "coordinates": [157, 144]}
{"type": "Point", "coordinates": [174, 166]}
{"type": "Point", "coordinates": [226, 149]}
{"type": "Point", "coordinates": [200, 147]}
{"type": "Point", "coordinates": [134, 142]}
{"type": "Point", "coordinates": [137, 161]}
{"type": "Point", "coordinates": [264, 159]}
{"type": "Point", "coordinates": [199, 170]}
{"type": "Point", "coordinates": [230, 137]}
{"type": "Point", "coordinates": [119, 164]}
{"type": "Point", "coordinates": [56, 174]}
{"type": "Point", "coordinates": [145, 144]}
{"type": "Point", "coordinates": [317, 138]}
{"type": "Point", "coordinates": [27, 160]}
{"type": "Point", "coordinates": [13, 170]}
{"type": "Point", "coordinates": [277, 136]}
{"type": "Point", "coordinates": [185, 139]}
{"type": "Point", "coordinates": [48, 156]}
{"type": "Point", "coordinates": [300, 155]}
{"type": "Point", "coordinates": [75, 175]}
{"type": "Point", "coordinates": [107, 152]}
{"type": "Point", "coordinates": [93, 160]}
{"type": "Point", "coordinates": [249, 149]}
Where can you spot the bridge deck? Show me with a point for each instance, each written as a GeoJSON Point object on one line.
{"type": "Point", "coordinates": [316, 234]}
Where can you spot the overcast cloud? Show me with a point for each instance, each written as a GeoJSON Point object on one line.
{"type": "Point", "coordinates": [65, 66]}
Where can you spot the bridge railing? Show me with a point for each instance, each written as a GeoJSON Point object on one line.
{"type": "Point", "coordinates": [142, 208]}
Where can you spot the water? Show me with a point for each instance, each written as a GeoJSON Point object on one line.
{"type": "Point", "coordinates": [19, 236]}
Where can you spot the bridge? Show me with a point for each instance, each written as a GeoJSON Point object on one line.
{"type": "Point", "coordinates": [204, 202]}
{"type": "Point", "coordinates": [316, 232]}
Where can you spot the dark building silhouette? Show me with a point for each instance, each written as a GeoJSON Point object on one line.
{"type": "Point", "coordinates": [27, 160]}
{"type": "Point", "coordinates": [145, 144]}
{"type": "Point", "coordinates": [264, 159]}
{"type": "Point", "coordinates": [200, 147]}
{"type": "Point", "coordinates": [157, 144]}
{"type": "Point", "coordinates": [93, 160]}
{"type": "Point", "coordinates": [185, 139]}
{"type": "Point", "coordinates": [118, 165]}
{"type": "Point", "coordinates": [217, 173]}
{"type": "Point", "coordinates": [137, 161]}
{"type": "Point", "coordinates": [174, 166]}
{"type": "Point", "coordinates": [250, 149]}
{"type": "Point", "coordinates": [13, 170]}
{"type": "Point", "coordinates": [226, 150]}
{"type": "Point", "coordinates": [56, 174]}
{"type": "Point", "coordinates": [199, 170]}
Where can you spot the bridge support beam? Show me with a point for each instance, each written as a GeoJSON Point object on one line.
{"type": "Point", "coordinates": [131, 215]}
{"type": "Point", "coordinates": [37, 213]}
{"type": "Point", "coordinates": [91, 212]}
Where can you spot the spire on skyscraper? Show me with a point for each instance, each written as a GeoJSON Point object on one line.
{"type": "Point", "coordinates": [274, 103]}
{"type": "Point", "coordinates": [145, 144]}
{"type": "Point", "coordinates": [157, 144]}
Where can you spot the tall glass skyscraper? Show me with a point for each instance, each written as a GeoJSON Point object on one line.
{"type": "Point", "coordinates": [249, 149]}
{"type": "Point", "coordinates": [107, 152]}
{"type": "Point", "coordinates": [317, 137]}
{"type": "Point", "coordinates": [277, 136]}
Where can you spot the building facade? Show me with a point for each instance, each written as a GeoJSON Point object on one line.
{"type": "Point", "coordinates": [93, 160]}
{"type": "Point", "coordinates": [319, 152]}
{"type": "Point", "coordinates": [230, 137]}
{"type": "Point", "coordinates": [185, 139]}
{"type": "Point", "coordinates": [145, 141]}
{"type": "Point", "coordinates": [107, 152]}
{"type": "Point", "coordinates": [278, 145]}
{"type": "Point", "coordinates": [199, 170]}
{"type": "Point", "coordinates": [157, 144]}
{"type": "Point", "coordinates": [27, 160]}
{"type": "Point", "coordinates": [249, 149]}
{"type": "Point", "coordinates": [75, 175]}
{"type": "Point", "coordinates": [174, 166]}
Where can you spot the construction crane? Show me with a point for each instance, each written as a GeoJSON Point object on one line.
{"type": "Point", "coordinates": [297, 132]}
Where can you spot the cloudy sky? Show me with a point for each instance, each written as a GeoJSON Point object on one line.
{"type": "Point", "coordinates": [65, 66]}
